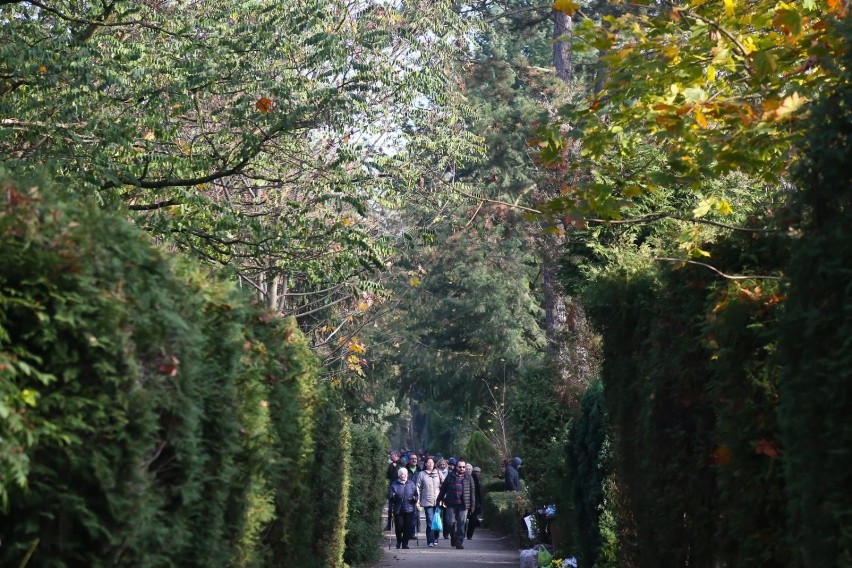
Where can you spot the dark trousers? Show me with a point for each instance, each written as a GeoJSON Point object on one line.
{"type": "Point", "coordinates": [472, 522]}
{"type": "Point", "coordinates": [404, 525]}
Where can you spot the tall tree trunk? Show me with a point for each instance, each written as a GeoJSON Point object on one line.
{"type": "Point", "coordinates": [571, 342]}
{"type": "Point", "coordinates": [563, 33]}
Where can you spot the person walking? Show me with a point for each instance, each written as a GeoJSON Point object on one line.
{"type": "Point", "coordinates": [403, 497]}
{"type": "Point", "coordinates": [393, 466]}
{"type": "Point", "coordinates": [413, 473]}
{"type": "Point", "coordinates": [459, 495]}
{"type": "Point", "coordinates": [429, 485]}
{"type": "Point", "coordinates": [473, 519]}
{"type": "Point", "coordinates": [513, 479]}
{"type": "Point", "coordinates": [443, 472]}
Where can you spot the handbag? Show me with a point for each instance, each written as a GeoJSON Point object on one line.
{"type": "Point", "coordinates": [437, 524]}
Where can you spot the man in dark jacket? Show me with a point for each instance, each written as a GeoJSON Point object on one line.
{"type": "Point", "coordinates": [513, 479]}
{"type": "Point", "coordinates": [393, 467]}
{"type": "Point", "coordinates": [458, 494]}
{"type": "Point", "coordinates": [473, 520]}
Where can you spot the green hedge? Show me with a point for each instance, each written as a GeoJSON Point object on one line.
{"type": "Point", "coordinates": [588, 468]}
{"type": "Point", "coordinates": [503, 512]}
{"type": "Point", "coordinates": [152, 414]}
{"type": "Point", "coordinates": [367, 496]}
{"type": "Point", "coordinates": [690, 389]}
{"type": "Point", "coordinates": [816, 385]}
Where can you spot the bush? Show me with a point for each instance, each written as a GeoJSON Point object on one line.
{"type": "Point", "coordinates": [815, 396]}
{"type": "Point", "coordinates": [481, 452]}
{"type": "Point", "coordinates": [589, 467]}
{"type": "Point", "coordinates": [503, 512]}
{"type": "Point", "coordinates": [367, 496]}
{"type": "Point", "coordinates": [155, 415]}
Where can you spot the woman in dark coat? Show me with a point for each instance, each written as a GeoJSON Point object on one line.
{"type": "Point", "coordinates": [403, 497]}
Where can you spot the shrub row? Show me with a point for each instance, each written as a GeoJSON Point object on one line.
{"type": "Point", "coordinates": [152, 415]}
{"type": "Point", "coordinates": [728, 401]}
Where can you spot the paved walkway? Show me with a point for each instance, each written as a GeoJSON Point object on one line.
{"type": "Point", "coordinates": [485, 550]}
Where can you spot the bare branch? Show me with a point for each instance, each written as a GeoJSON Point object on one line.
{"type": "Point", "coordinates": [719, 272]}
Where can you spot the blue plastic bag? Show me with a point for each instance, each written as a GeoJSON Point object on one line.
{"type": "Point", "coordinates": [437, 524]}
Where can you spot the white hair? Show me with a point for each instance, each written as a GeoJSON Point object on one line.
{"type": "Point", "coordinates": [401, 471]}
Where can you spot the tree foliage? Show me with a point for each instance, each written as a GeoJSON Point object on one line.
{"type": "Point", "coordinates": [258, 135]}
{"type": "Point", "coordinates": [718, 87]}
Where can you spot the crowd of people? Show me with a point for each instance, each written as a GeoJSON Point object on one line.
{"type": "Point", "coordinates": [449, 488]}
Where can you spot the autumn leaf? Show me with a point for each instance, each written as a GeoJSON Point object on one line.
{"type": "Point", "coordinates": [767, 448]}
{"type": "Point", "coordinates": [264, 104]}
{"type": "Point", "coordinates": [724, 207]}
{"type": "Point", "coordinates": [790, 105]}
{"type": "Point", "coordinates": [700, 119]}
{"type": "Point", "coordinates": [837, 7]}
{"type": "Point", "coordinates": [566, 6]}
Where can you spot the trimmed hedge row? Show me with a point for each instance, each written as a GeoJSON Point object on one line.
{"type": "Point", "coordinates": [152, 415]}
{"type": "Point", "coordinates": [729, 401]}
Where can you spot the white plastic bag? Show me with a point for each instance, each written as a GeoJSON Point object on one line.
{"type": "Point", "coordinates": [529, 520]}
{"type": "Point", "coordinates": [529, 558]}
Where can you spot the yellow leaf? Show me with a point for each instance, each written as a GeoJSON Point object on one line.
{"type": "Point", "coordinates": [724, 207]}
{"type": "Point", "coordinates": [729, 7]}
{"type": "Point", "coordinates": [790, 105]}
{"type": "Point", "coordinates": [700, 119]}
{"type": "Point", "coordinates": [711, 74]}
{"type": "Point", "coordinates": [566, 6]}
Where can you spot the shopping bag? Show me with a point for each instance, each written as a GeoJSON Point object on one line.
{"type": "Point", "coordinates": [544, 556]}
{"type": "Point", "coordinates": [437, 525]}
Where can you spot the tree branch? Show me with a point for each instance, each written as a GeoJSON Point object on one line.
{"type": "Point", "coordinates": [719, 272]}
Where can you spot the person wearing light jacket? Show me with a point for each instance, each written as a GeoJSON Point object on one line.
{"type": "Point", "coordinates": [429, 485]}
{"type": "Point", "coordinates": [403, 497]}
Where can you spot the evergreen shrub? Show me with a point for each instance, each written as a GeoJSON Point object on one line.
{"type": "Point", "coordinates": [154, 415]}
{"type": "Point", "coordinates": [690, 384]}
{"type": "Point", "coordinates": [330, 480]}
{"type": "Point", "coordinates": [367, 495]}
{"type": "Point", "coordinates": [503, 512]}
{"type": "Point", "coordinates": [480, 452]}
{"type": "Point", "coordinates": [816, 385]}
{"type": "Point", "coordinates": [589, 468]}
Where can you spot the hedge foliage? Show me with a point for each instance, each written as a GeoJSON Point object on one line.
{"type": "Point", "coordinates": [690, 389]}
{"type": "Point", "coordinates": [589, 466]}
{"type": "Point", "coordinates": [729, 399]}
{"type": "Point", "coordinates": [367, 496]}
{"type": "Point", "coordinates": [152, 415]}
{"type": "Point", "coordinates": [504, 511]}
{"type": "Point", "coordinates": [816, 385]}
